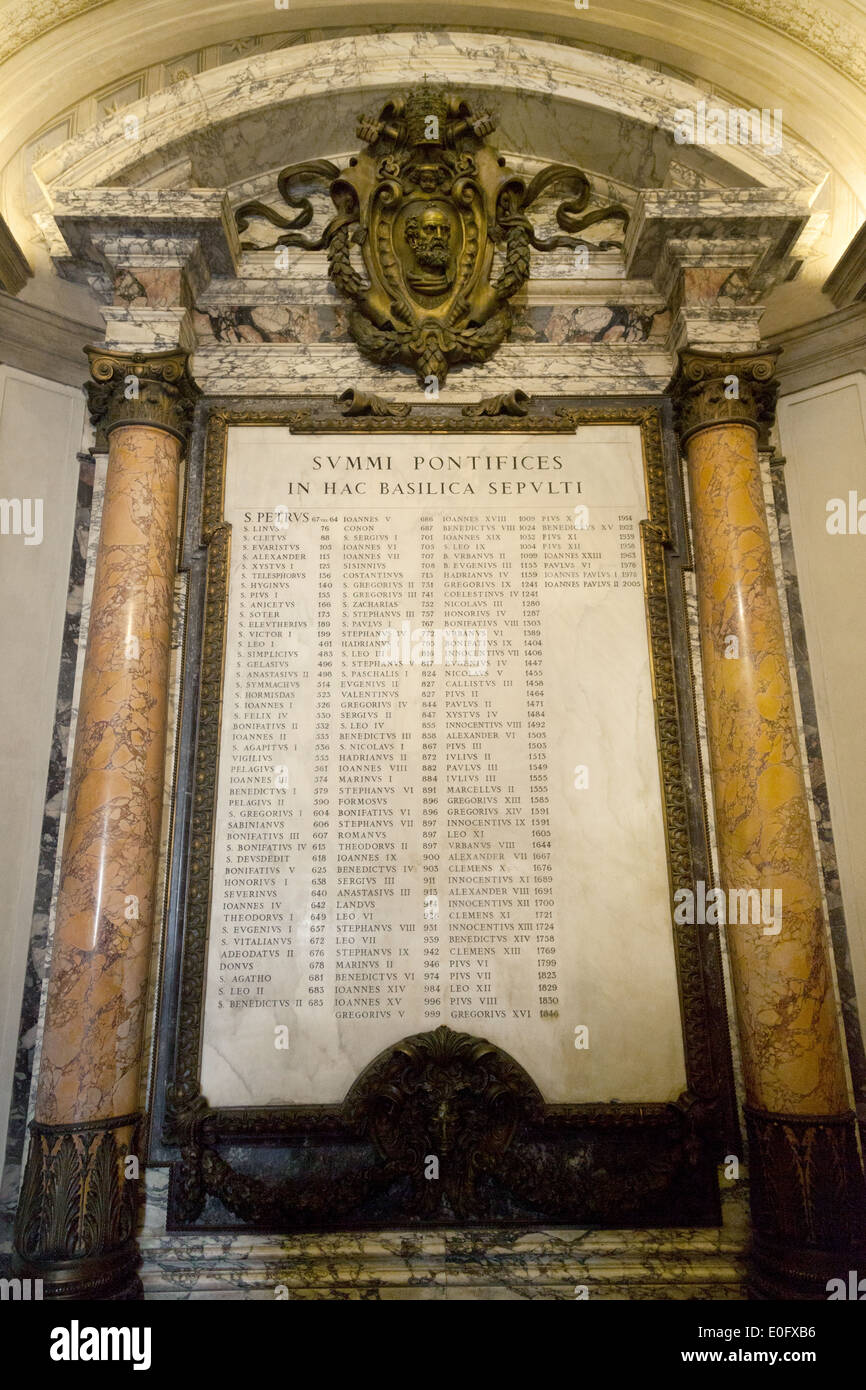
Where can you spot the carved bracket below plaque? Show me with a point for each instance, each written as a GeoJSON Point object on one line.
{"type": "Point", "coordinates": [443, 1127]}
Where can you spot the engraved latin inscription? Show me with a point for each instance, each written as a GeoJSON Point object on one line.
{"type": "Point", "coordinates": [437, 726]}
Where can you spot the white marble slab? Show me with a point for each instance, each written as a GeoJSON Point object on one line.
{"type": "Point", "coordinates": [615, 961]}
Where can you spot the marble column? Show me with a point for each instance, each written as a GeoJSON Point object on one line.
{"type": "Point", "coordinates": [805, 1170]}
{"type": "Point", "coordinates": [76, 1214]}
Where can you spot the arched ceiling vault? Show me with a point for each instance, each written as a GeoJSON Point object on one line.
{"type": "Point", "coordinates": [556, 102]}
{"type": "Point", "coordinates": [808, 57]}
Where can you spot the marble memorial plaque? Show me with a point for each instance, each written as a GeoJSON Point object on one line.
{"type": "Point", "coordinates": [438, 793]}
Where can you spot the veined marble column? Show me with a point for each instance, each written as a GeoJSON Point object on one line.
{"type": "Point", "coordinates": [76, 1215]}
{"type": "Point", "coordinates": [805, 1169]}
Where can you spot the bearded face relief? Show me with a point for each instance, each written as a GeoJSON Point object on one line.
{"type": "Point", "coordinates": [428, 236]}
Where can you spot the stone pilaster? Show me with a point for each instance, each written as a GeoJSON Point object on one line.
{"type": "Point", "coordinates": [76, 1214]}
{"type": "Point", "coordinates": [806, 1175]}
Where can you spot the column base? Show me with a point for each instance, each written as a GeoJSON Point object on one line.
{"type": "Point", "coordinates": [105, 1278]}
{"type": "Point", "coordinates": [781, 1273]}
{"type": "Point", "coordinates": [75, 1223]}
{"type": "Point", "coordinates": [808, 1204]}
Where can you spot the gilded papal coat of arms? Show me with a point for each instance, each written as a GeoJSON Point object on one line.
{"type": "Point", "coordinates": [442, 228]}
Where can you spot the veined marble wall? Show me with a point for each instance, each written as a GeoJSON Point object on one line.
{"type": "Point", "coordinates": [41, 431]}
{"type": "Point", "coordinates": [822, 431]}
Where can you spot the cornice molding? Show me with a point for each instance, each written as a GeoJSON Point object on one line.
{"type": "Point", "coordinates": [846, 283]}
{"type": "Point", "coordinates": [815, 353]}
{"type": "Point", "coordinates": [45, 343]}
{"type": "Point", "coordinates": [14, 268]}
{"type": "Point", "coordinates": [249, 88]}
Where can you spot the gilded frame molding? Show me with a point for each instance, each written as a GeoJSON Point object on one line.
{"type": "Point", "coordinates": [641, 1164]}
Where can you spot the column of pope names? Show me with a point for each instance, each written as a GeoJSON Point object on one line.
{"type": "Point", "coordinates": [437, 765]}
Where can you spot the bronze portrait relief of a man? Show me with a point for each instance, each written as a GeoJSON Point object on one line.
{"type": "Point", "coordinates": [428, 236]}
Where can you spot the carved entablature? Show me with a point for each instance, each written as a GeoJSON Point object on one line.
{"type": "Point", "coordinates": [429, 202]}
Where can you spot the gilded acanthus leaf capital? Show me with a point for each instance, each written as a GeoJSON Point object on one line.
{"type": "Point", "coordinates": [141, 388]}
{"type": "Point", "coordinates": [714, 389]}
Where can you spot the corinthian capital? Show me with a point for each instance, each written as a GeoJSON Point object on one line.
{"type": "Point", "coordinates": [712, 389]}
{"type": "Point", "coordinates": [141, 388]}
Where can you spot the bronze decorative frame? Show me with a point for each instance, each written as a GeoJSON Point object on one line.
{"type": "Point", "coordinates": [517, 1160]}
